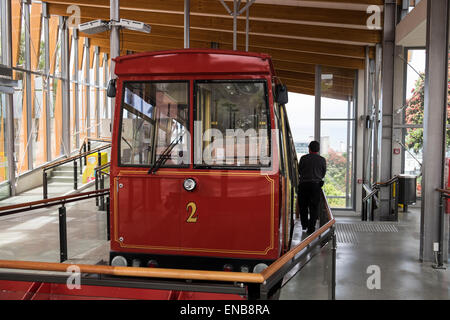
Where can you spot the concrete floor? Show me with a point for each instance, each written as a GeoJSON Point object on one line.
{"type": "Point", "coordinates": [396, 254]}
{"type": "Point", "coordinates": [34, 236]}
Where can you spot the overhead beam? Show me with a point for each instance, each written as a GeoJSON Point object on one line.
{"type": "Point", "coordinates": [285, 55]}
{"type": "Point", "coordinates": [307, 77]}
{"type": "Point", "coordinates": [309, 68]}
{"type": "Point", "coordinates": [258, 10]}
{"type": "Point", "coordinates": [163, 34]}
{"type": "Point", "coordinates": [309, 31]}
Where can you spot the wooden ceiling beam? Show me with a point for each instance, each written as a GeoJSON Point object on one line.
{"type": "Point", "coordinates": [348, 17]}
{"type": "Point", "coordinates": [257, 10]}
{"type": "Point", "coordinates": [162, 34]}
{"type": "Point", "coordinates": [343, 82]}
{"type": "Point", "coordinates": [310, 92]}
{"type": "Point", "coordinates": [268, 28]}
{"type": "Point", "coordinates": [285, 55]}
{"type": "Point", "coordinates": [310, 85]}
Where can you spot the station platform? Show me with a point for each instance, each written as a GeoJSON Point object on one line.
{"type": "Point", "coordinates": [390, 246]}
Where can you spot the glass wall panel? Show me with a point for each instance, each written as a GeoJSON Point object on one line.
{"type": "Point", "coordinates": [19, 125]}
{"type": "Point", "coordinates": [3, 141]}
{"type": "Point", "coordinates": [38, 136]}
{"type": "Point", "coordinates": [337, 126]}
{"type": "Point", "coordinates": [300, 110]}
{"type": "Point", "coordinates": [337, 148]}
{"type": "Point", "coordinates": [413, 114]}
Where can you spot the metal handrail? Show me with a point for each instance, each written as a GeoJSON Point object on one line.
{"type": "Point", "coordinates": [86, 140]}
{"type": "Point", "coordinates": [76, 157]}
{"type": "Point", "coordinates": [372, 192]}
{"type": "Point", "coordinates": [389, 182]}
{"type": "Point", "coordinates": [32, 205]}
{"type": "Point", "coordinates": [274, 271]}
{"type": "Point", "coordinates": [75, 167]}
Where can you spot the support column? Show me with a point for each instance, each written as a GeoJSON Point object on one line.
{"type": "Point", "coordinates": [399, 102]}
{"type": "Point", "coordinates": [235, 14]}
{"type": "Point", "coordinates": [114, 11]}
{"type": "Point", "coordinates": [97, 91]}
{"type": "Point", "coordinates": [46, 97]}
{"type": "Point", "coordinates": [76, 99]}
{"type": "Point", "coordinates": [434, 123]}
{"type": "Point", "coordinates": [28, 94]}
{"type": "Point", "coordinates": [87, 80]}
{"type": "Point", "coordinates": [318, 102]}
{"type": "Point", "coordinates": [65, 66]}
{"type": "Point", "coordinates": [383, 170]}
{"type": "Point", "coordinates": [187, 13]}
{"type": "Point", "coordinates": [7, 60]}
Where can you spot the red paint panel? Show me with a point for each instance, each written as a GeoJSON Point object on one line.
{"type": "Point", "coordinates": [148, 211]}
{"type": "Point", "coordinates": [229, 209]}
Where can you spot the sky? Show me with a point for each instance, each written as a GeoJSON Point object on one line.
{"type": "Point", "coordinates": [300, 109]}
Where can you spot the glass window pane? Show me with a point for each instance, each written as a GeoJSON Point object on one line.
{"type": "Point", "coordinates": [336, 93]}
{"type": "Point", "coordinates": [38, 136]}
{"type": "Point", "coordinates": [3, 141]}
{"type": "Point", "coordinates": [415, 77]}
{"type": "Point", "coordinates": [300, 110]}
{"type": "Point", "coordinates": [337, 148]}
{"type": "Point", "coordinates": [155, 120]}
{"type": "Point", "coordinates": [234, 119]}
{"type": "Point", "coordinates": [20, 139]}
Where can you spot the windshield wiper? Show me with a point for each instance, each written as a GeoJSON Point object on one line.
{"type": "Point", "coordinates": [165, 155]}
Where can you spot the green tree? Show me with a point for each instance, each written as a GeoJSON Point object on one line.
{"type": "Point", "coordinates": [414, 114]}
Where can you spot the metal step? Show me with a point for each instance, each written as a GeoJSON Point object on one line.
{"type": "Point", "coordinates": [66, 179]}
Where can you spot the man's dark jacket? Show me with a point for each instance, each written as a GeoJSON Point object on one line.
{"type": "Point", "coordinates": [312, 168]}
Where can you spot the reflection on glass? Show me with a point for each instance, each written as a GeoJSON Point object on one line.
{"type": "Point", "coordinates": [234, 120]}
{"type": "Point", "coordinates": [336, 137]}
{"type": "Point", "coordinates": [38, 129]}
{"type": "Point", "coordinates": [3, 140]}
{"type": "Point", "coordinates": [337, 149]}
{"type": "Point", "coordinates": [154, 115]}
{"type": "Point", "coordinates": [413, 114]}
{"type": "Point", "coordinates": [300, 110]}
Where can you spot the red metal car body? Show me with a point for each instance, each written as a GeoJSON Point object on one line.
{"type": "Point", "coordinates": [234, 215]}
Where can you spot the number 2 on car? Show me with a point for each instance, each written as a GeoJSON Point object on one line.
{"type": "Point", "coordinates": [192, 218]}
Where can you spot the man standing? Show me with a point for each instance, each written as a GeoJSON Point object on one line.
{"type": "Point", "coordinates": [312, 168]}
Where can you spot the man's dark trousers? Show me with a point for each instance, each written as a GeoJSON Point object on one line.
{"type": "Point", "coordinates": [309, 203]}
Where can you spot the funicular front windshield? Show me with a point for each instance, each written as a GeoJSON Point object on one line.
{"type": "Point", "coordinates": [232, 124]}
{"type": "Point", "coordinates": [155, 116]}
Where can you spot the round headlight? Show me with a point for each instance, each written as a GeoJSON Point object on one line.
{"type": "Point", "coordinates": [189, 184]}
{"type": "Point", "coordinates": [119, 261]}
{"type": "Point", "coordinates": [259, 267]}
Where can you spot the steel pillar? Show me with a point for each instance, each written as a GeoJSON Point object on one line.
{"type": "Point", "coordinates": [27, 94]}
{"type": "Point", "coordinates": [97, 90]}
{"type": "Point", "coordinates": [318, 102]}
{"type": "Point", "coordinates": [48, 141]}
{"type": "Point", "coordinates": [383, 169]}
{"type": "Point", "coordinates": [114, 11]}
{"type": "Point", "coordinates": [435, 114]}
{"type": "Point", "coordinates": [7, 60]}
{"type": "Point", "coordinates": [187, 13]}
{"type": "Point", "coordinates": [76, 98]}
{"type": "Point", "coordinates": [65, 67]}
{"type": "Point", "coordinates": [87, 80]}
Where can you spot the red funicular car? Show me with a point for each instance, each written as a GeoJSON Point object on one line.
{"type": "Point", "coordinates": [203, 166]}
